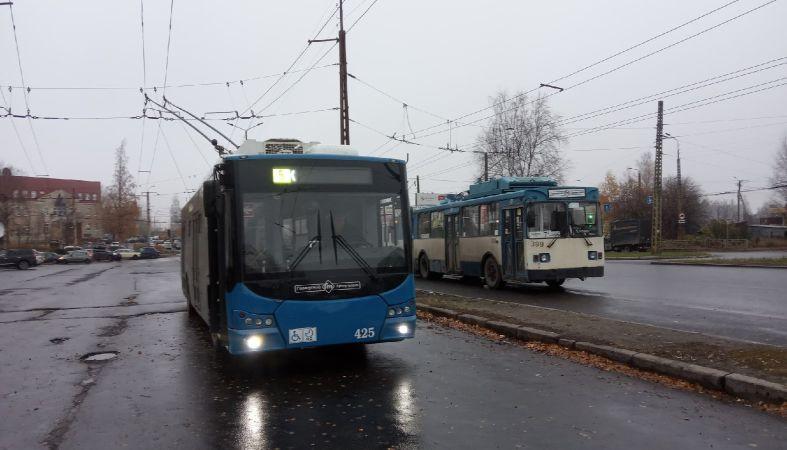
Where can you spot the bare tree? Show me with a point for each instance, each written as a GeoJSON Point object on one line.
{"type": "Point", "coordinates": [523, 139]}
{"type": "Point", "coordinates": [119, 203]}
{"type": "Point", "coordinates": [174, 216]}
{"type": "Point", "coordinates": [779, 177]}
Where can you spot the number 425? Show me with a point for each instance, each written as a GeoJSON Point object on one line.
{"type": "Point", "coordinates": [364, 333]}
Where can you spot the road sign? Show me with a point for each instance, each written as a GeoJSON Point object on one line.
{"type": "Point", "coordinates": [649, 199]}
{"type": "Point", "coordinates": [681, 218]}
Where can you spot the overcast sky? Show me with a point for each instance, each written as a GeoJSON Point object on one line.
{"type": "Point", "coordinates": [443, 58]}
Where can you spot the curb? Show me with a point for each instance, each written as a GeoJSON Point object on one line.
{"type": "Point", "coordinates": [753, 266]}
{"type": "Point", "coordinates": [736, 384]}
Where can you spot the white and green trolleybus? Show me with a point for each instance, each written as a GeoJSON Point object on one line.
{"type": "Point", "coordinates": [512, 229]}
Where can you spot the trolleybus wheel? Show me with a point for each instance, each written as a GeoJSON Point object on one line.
{"type": "Point", "coordinates": [492, 275]}
{"type": "Point", "coordinates": [554, 284]}
{"type": "Point", "coordinates": [423, 269]}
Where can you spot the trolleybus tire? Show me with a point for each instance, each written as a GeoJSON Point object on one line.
{"type": "Point", "coordinates": [423, 269]}
{"type": "Point", "coordinates": [554, 284]}
{"type": "Point", "coordinates": [492, 276]}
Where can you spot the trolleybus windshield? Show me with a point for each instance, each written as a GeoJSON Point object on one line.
{"type": "Point", "coordinates": [315, 220]}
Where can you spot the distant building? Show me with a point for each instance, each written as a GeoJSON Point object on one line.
{"type": "Point", "coordinates": [37, 210]}
{"type": "Point", "coordinates": [776, 215]}
{"type": "Point", "coordinates": [767, 231]}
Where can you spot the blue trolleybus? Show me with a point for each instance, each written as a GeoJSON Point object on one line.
{"type": "Point", "coordinates": [292, 245]}
{"type": "Point", "coordinates": [512, 229]}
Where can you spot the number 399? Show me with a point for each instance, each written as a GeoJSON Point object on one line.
{"type": "Point", "coordinates": [364, 333]}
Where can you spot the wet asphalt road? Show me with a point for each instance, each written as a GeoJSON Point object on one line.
{"type": "Point", "coordinates": [739, 303]}
{"type": "Point", "coordinates": [445, 389]}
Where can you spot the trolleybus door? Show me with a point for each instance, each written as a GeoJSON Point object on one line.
{"type": "Point", "coordinates": [513, 242]}
{"type": "Point", "coordinates": [451, 243]}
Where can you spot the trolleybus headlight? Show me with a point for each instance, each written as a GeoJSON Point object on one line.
{"type": "Point", "coordinates": [592, 255]}
{"type": "Point", "coordinates": [268, 322]}
{"type": "Point", "coordinates": [248, 321]}
{"type": "Point", "coordinates": [544, 257]}
{"type": "Point", "coordinates": [403, 329]}
{"type": "Point", "coordinates": [407, 309]}
{"type": "Point", "coordinates": [391, 312]}
{"type": "Point", "coordinates": [258, 322]}
{"type": "Point", "coordinates": [398, 311]}
{"type": "Point", "coordinates": [254, 342]}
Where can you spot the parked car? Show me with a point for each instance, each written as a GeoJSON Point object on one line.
{"type": "Point", "coordinates": [50, 257]}
{"type": "Point", "coordinates": [167, 245]}
{"type": "Point", "coordinates": [127, 253]}
{"type": "Point", "coordinates": [148, 253]}
{"type": "Point", "coordinates": [39, 257]}
{"type": "Point", "coordinates": [21, 258]}
{"type": "Point", "coordinates": [102, 254]}
{"type": "Point", "coordinates": [75, 256]}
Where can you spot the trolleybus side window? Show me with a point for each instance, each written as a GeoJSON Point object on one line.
{"type": "Point", "coordinates": [470, 221]}
{"type": "Point", "coordinates": [546, 220]}
{"type": "Point", "coordinates": [437, 225]}
{"type": "Point", "coordinates": [423, 225]}
{"type": "Point", "coordinates": [488, 220]}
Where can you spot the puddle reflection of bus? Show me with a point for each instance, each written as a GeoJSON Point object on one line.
{"type": "Point", "coordinates": [512, 229]}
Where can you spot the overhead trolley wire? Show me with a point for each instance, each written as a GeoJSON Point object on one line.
{"type": "Point", "coordinates": [294, 62]}
{"type": "Point", "coordinates": [608, 72]}
{"type": "Point", "coordinates": [18, 136]}
{"type": "Point", "coordinates": [25, 92]}
{"type": "Point", "coordinates": [689, 105]}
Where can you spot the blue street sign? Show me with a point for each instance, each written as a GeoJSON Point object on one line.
{"type": "Point", "coordinates": [607, 207]}
{"type": "Point", "coordinates": [649, 200]}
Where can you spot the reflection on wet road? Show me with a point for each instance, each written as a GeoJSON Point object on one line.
{"type": "Point", "coordinates": [739, 303]}
{"type": "Point", "coordinates": [167, 388]}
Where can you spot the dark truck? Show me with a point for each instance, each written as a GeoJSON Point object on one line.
{"type": "Point", "coordinates": [629, 235]}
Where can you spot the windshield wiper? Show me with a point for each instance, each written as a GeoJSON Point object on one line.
{"type": "Point", "coordinates": [317, 239]}
{"type": "Point", "coordinates": [339, 239]}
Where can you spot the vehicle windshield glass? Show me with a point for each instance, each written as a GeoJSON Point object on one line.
{"type": "Point", "coordinates": [290, 229]}
{"type": "Point", "coordinates": [278, 227]}
{"type": "Point", "coordinates": [546, 220]}
{"type": "Point", "coordinates": [583, 217]}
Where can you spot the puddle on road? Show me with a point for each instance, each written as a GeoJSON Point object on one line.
{"type": "Point", "coordinates": [59, 340]}
{"type": "Point", "coordinates": [99, 356]}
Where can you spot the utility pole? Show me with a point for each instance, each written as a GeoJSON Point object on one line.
{"type": "Point", "coordinates": [681, 215]}
{"type": "Point", "coordinates": [74, 213]}
{"type": "Point", "coordinates": [655, 237]}
{"type": "Point", "coordinates": [740, 199]}
{"type": "Point", "coordinates": [147, 207]}
{"type": "Point", "coordinates": [344, 104]}
{"type": "Point", "coordinates": [486, 166]}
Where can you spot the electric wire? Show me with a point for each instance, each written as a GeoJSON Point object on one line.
{"type": "Point", "coordinates": [25, 92]}
{"type": "Point", "coordinates": [608, 72]}
{"type": "Point", "coordinates": [18, 136]}
{"type": "Point", "coordinates": [294, 62]}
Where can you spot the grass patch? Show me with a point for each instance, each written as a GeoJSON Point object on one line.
{"type": "Point", "coordinates": [770, 262]}
{"type": "Point", "coordinates": [666, 254]}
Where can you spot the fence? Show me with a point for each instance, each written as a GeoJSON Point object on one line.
{"type": "Point", "coordinates": [700, 244]}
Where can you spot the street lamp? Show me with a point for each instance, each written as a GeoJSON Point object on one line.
{"type": "Point", "coordinates": [681, 215]}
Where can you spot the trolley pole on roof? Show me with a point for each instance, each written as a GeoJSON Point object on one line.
{"type": "Point", "coordinates": [655, 237]}
{"type": "Point", "coordinates": [344, 106]}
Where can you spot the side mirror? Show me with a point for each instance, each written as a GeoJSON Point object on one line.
{"type": "Point", "coordinates": [212, 201]}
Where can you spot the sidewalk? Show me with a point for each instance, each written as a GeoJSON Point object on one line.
{"type": "Point", "coordinates": [620, 340]}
